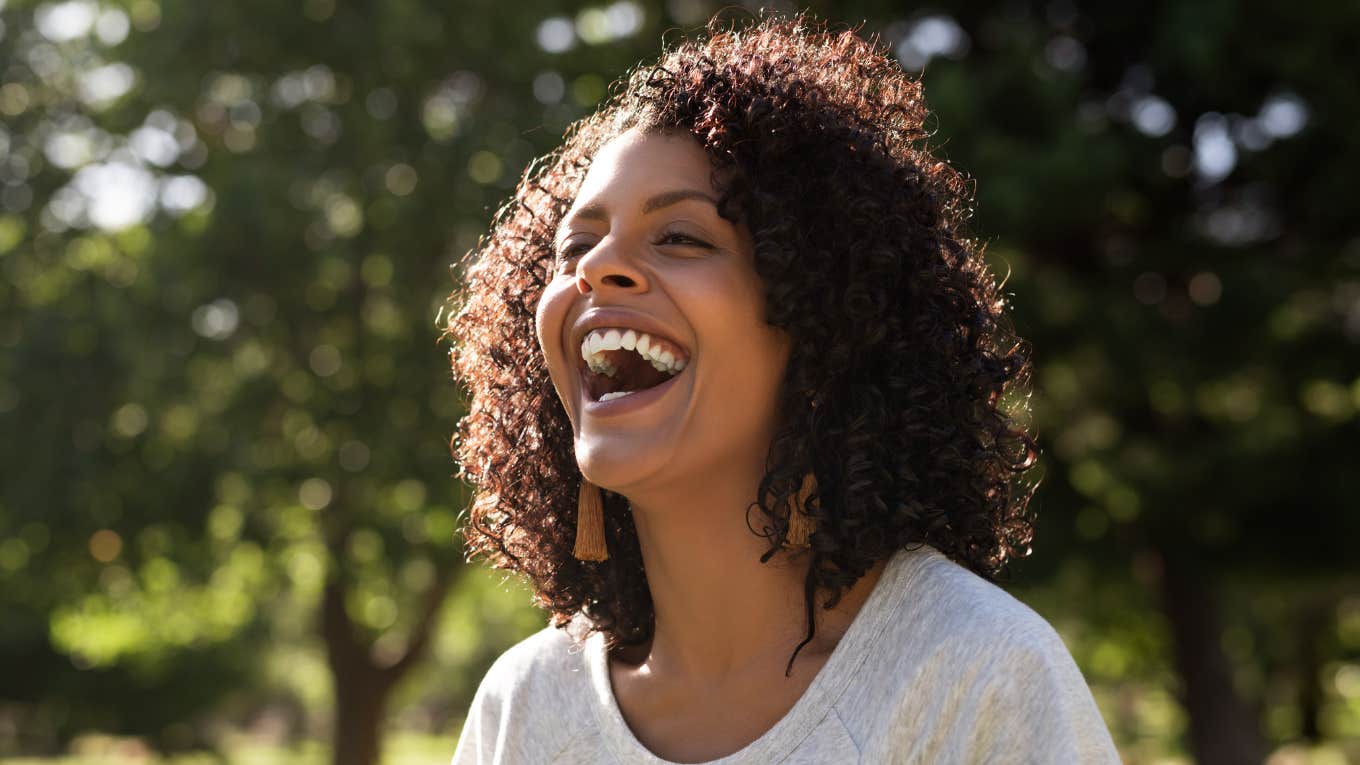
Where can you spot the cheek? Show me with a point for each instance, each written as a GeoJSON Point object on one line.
{"type": "Point", "coordinates": [549, 317]}
{"type": "Point", "coordinates": [775, 349]}
{"type": "Point", "coordinates": [773, 344]}
{"type": "Point", "coordinates": [733, 309]}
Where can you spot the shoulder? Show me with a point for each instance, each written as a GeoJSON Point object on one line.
{"type": "Point", "coordinates": [948, 606]}
{"type": "Point", "coordinates": [976, 671]}
{"type": "Point", "coordinates": [987, 636]}
{"type": "Point", "coordinates": [946, 629]}
{"type": "Point", "coordinates": [525, 706]}
{"type": "Point", "coordinates": [537, 669]}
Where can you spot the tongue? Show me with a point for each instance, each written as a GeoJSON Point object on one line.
{"type": "Point", "coordinates": [635, 373]}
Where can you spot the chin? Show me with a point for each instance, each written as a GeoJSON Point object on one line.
{"type": "Point", "coordinates": [619, 466]}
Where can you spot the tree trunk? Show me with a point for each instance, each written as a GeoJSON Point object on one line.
{"type": "Point", "coordinates": [1223, 728]}
{"type": "Point", "coordinates": [362, 686]}
{"type": "Point", "coordinates": [360, 704]}
{"type": "Point", "coordinates": [1313, 626]}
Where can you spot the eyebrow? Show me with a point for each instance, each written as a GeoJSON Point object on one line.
{"type": "Point", "coordinates": [596, 210]}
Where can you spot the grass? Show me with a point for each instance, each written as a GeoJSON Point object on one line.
{"type": "Point", "coordinates": [95, 749]}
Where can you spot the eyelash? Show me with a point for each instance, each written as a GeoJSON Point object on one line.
{"type": "Point", "coordinates": [570, 253]}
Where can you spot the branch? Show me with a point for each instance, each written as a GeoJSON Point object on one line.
{"type": "Point", "coordinates": [423, 631]}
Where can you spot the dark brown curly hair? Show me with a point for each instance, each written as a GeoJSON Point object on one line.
{"type": "Point", "coordinates": [906, 391]}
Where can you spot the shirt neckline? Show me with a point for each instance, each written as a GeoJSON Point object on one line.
{"type": "Point", "coordinates": [815, 703]}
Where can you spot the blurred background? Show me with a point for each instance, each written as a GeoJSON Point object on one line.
{"type": "Point", "coordinates": [228, 513]}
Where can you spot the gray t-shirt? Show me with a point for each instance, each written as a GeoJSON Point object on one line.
{"type": "Point", "coordinates": [938, 666]}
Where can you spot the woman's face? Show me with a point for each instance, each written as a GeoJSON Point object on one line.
{"type": "Point", "coordinates": [678, 377]}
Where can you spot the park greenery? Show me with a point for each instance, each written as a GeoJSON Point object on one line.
{"type": "Point", "coordinates": [228, 232]}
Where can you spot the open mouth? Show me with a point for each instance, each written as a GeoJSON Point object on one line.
{"type": "Point", "coordinates": [618, 362]}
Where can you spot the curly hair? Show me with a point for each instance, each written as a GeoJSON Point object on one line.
{"type": "Point", "coordinates": [906, 392]}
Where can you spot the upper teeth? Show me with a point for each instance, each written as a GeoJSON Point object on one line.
{"type": "Point", "coordinates": [660, 353]}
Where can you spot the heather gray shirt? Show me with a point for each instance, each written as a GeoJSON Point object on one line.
{"type": "Point", "coordinates": [938, 666]}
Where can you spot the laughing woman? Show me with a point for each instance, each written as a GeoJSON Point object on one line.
{"type": "Point", "coordinates": [745, 412]}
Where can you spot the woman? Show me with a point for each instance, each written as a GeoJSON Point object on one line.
{"type": "Point", "coordinates": [737, 413]}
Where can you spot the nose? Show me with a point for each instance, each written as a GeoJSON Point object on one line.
{"type": "Point", "coordinates": [608, 267]}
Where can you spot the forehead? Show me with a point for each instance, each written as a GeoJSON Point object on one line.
{"type": "Point", "coordinates": [635, 163]}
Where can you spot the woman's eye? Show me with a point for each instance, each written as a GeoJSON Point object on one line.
{"type": "Point", "coordinates": [675, 237]}
{"type": "Point", "coordinates": [571, 252]}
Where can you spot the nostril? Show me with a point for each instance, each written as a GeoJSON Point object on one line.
{"type": "Point", "coordinates": [618, 280]}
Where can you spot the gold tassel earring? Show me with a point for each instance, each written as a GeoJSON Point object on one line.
{"type": "Point", "coordinates": [590, 524]}
{"type": "Point", "coordinates": [802, 525]}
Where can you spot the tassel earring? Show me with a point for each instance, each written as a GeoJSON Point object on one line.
{"type": "Point", "coordinates": [801, 525]}
{"type": "Point", "coordinates": [590, 524]}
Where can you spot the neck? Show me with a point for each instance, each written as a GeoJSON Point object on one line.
{"type": "Point", "coordinates": [719, 610]}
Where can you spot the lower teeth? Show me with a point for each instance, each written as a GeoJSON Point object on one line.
{"type": "Point", "coordinates": [616, 394]}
